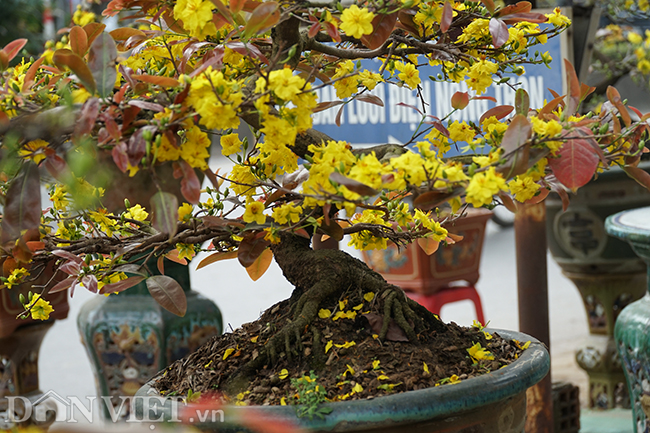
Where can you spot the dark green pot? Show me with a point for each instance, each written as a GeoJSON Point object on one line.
{"type": "Point", "coordinates": [129, 337]}
{"type": "Point", "coordinates": [632, 325]}
{"type": "Point", "coordinates": [494, 402]}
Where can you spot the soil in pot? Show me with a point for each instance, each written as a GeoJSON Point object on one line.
{"type": "Point", "coordinates": [351, 358]}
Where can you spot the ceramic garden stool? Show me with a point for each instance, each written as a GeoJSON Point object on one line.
{"type": "Point", "coordinates": [129, 337]}
{"type": "Point", "coordinates": [604, 269]}
{"type": "Point", "coordinates": [633, 323]}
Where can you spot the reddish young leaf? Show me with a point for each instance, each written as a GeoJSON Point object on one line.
{"type": "Point", "coordinates": [337, 119]}
{"type": "Point", "coordinates": [190, 183]}
{"type": "Point", "coordinates": [518, 132]}
{"type": "Point", "coordinates": [460, 100]}
{"type": "Point", "coordinates": [146, 105]}
{"type": "Point", "coordinates": [66, 284]}
{"type": "Point", "coordinates": [371, 99]}
{"type": "Point", "coordinates": [639, 175]}
{"type": "Point", "coordinates": [121, 286]}
{"type": "Point", "coordinates": [173, 256]}
{"type": "Point", "coordinates": [260, 265]}
{"type": "Point", "coordinates": [67, 255]}
{"type": "Point", "coordinates": [499, 32]}
{"type": "Point", "coordinates": [550, 106]}
{"type": "Point", "coordinates": [263, 17]}
{"type": "Point", "coordinates": [124, 33]}
{"type": "Point", "coordinates": [490, 6]}
{"type": "Point", "coordinates": [353, 185]}
{"type": "Point", "coordinates": [22, 207]}
{"type": "Point", "coordinates": [213, 258]}
{"type": "Point", "coordinates": [90, 283]}
{"type": "Point", "coordinates": [31, 74]}
{"type": "Point", "coordinates": [4, 60]}
{"type": "Point", "coordinates": [165, 213]}
{"type": "Point", "coordinates": [428, 245]}
{"type": "Point", "coordinates": [101, 61]}
{"type": "Point", "coordinates": [120, 157]}
{"type": "Point", "coordinates": [507, 201]}
{"type": "Point", "coordinates": [236, 5]}
{"type": "Point", "coordinates": [333, 230]}
{"type": "Point", "coordinates": [223, 12]}
{"type": "Point", "coordinates": [615, 98]}
{"type": "Point", "coordinates": [13, 48]}
{"type": "Point", "coordinates": [531, 17]}
{"type": "Point", "coordinates": [564, 197]}
{"type": "Point", "coordinates": [322, 106]}
{"type": "Point", "coordinates": [500, 111]}
{"type": "Point", "coordinates": [78, 40]}
{"type": "Point", "coordinates": [431, 199]}
{"type": "Point", "coordinates": [541, 196]}
{"type": "Point", "coordinates": [519, 7]}
{"type": "Point", "coordinates": [382, 27]}
{"type": "Point", "coordinates": [573, 88]}
{"type": "Point", "coordinates": [65, 57]}
{"type": "Point", "coordinates": [447, 16]}
{"type": "Point", "coordinates": [333, 32]}
{"type": "Point", "coordinates": [250, 249]}
{"type": "Point", "coordinates": [313, 29]}
{"type": "Point", "coordinates": [575, 164]}
{"type": "Point", "coordinates": [93, 30]}
{"type": "Point", "coordinates": [405, 21]}
{"type": "Point", "coordinates": [159, 81]}
{"type": "Point", "coordinates": [487, 98]}
{"type": "Point", "coordinates": [168, 293]}
{"type": "Point", "coordinates": [86, 121]}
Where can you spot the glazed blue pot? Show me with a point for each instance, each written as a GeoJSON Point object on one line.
{"type": "Point", "coordinates": [494, 402]}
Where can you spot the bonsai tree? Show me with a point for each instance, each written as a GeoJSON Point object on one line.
{"type": "Point", "coordinates": [145, 103]}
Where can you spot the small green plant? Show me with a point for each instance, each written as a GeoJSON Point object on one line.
{"type": "Point", "coordinates": [310, 396]}
{"type": "Point", "coordinates": [192, 396]}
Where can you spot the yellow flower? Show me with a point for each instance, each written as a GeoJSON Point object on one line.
{"type": "Point", "coordinates": [137, 213]}
{"type": "Point", "coordinates": [408, 74]}
{"type": "Point", "coordinates": [81, 18]}
{"type": "Point", "coordinates": [34, 150]}
{"type": "Point", "coordinates": [480, 75]}
{"type": "Point", "coordinates": [644, 66]}
{"type": "Point", "coordinates": [230, 144]}
{"type": "Point", "coordinates": [41, 309]}
{"type": "Point", "coordinates": [478, 353]}
{"type": "Point", "coordinates": [356, 22]}
{"type": "Point", "coordinates": [254, 212]}
{"type": "Point", "coordinates": [483, 186]}
{"type": "Point", "coordinates": [59, 197]}
{"type": "Point", "coordinates": [287, 212]}
{"type": "Point", "coordinates": [284, 84]}
{"type": "Point", "coordinates": [557, 19]}
{"type": "Point", "coordinates": [523, 187]}
{"type": "Point", "coordinates": [185, 212]}
{"type": "Point", "coordinates": [105, 223]}
{"type": "Point", "coordinates": [196, 16]}
{"type": "Point", "coordinates": [16, 277]}
{"type": "Point", "coordinates": [185, 251]}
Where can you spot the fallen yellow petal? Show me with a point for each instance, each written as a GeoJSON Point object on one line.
{"type": "Point", "coordinates": [357, 388]}
{"type": "Point", "coordinates": [284, 373]}
{"type": "Point", "coordinates": [254, 339]}
{"type": "Point", "coordinates": [227, 353]}
{"type": "Point", "coordinates": [324, 314]}
{"type": "Point", "coordinates": [328, 346]}
{"type": "Point", "coordinates": [369, 296]}
{"type": "Point", "coordinates": [426, 368]}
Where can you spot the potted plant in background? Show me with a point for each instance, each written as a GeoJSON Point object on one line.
{"type": "Point", "coordinates": [207, 67]}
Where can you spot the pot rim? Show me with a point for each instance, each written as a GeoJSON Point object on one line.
{"type": "Point", "coordinates": [411, 406]}
{"type": "Point", "coordinates": [628, 230]}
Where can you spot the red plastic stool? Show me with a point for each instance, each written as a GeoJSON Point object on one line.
{"type": "Point", "coordinates": [435, 301]}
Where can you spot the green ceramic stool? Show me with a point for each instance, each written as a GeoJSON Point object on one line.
{"type": "Point", "coordinates": [129, 338]}
{"type": "Point", "coordinates": [633, 324]}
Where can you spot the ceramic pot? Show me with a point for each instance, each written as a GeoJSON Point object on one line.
{"type": "Point", "coordinates": [631, 330]}
{"type": "Point", "coordinates": [491, 403]}
{"type": "Point", "coordinates": [129, 337]}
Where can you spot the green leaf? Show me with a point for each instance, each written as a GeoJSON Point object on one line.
{"type": "Point", "coordinates": [522, 102]}
{"type": "Point", "coordinates": [165, 213]}
{"type": "Point", "coordinates": [101, 61]}
{"type": "Point", "coordinates": [168, 293]}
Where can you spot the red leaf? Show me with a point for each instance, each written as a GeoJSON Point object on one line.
{"type": "Point", "coordinates": [66, 255]}
{"type": "Point", "coordinates": [313, 30]}
{"type": "Point", "coordinates": [500, 111]}
{"type": "Point", "coordinates": [213, 258]}
{"type": "Point", "coordinates": [371, 99]}
{"type": "Point", "coordinates": [13, 48]}
{"type": "Point", "coordinates": [157, 80]}
{"type": "Point", "coordinates": [124, 33]}
{"type": "Point", "coordinates": [460, 100]}
{"type": "Point", "coordinates": [447, 17]}
{"type": "Point", "coordinates": [190, 183]}
{"type": "Point", "coordinates": [519, 7]}
{"type": "Point", "coordinates": [325, 105]}
{"type": "Point", "coordinates": [531, 17]}
{"type": "Point", "coordinates": [93, 30]}
{"type": "Point", "coordinates": [31, 73]}
{"type": "Point", "coordinates": [121, 286]}
{"type": "Point", "coordinates": [78, 40]}
{"type": "Point", "coordinates": [250, 249]}
{"type": "Point", "coordinates": [641, 176]}
{"type": "Point", "coordinates": [353, 185]}
{"type": "Point", "coordinates": [260, 265]}
{"type": "Point", "coordinates": [22, 207]}
{"type": "Point", "coordinates": [76, 64]}
{"type": "Point", "coordinates": [518, 132]}
{"type": "Point", "coordinates": [66, 284]}
{"type": "Point", "coordinates": [236, 5]}
{"type": "Point", "coordinates": [499, 32]}
{"type": "Point", "coordinates": [146, 105]}
{"type": "Point", "coordinates": [90, 283]}
{"type": "Point", "coordinates": [168, 293]}
{"type": "Point", "coordinates": [263, 17]}
{"type": "Point", "coordinates": [573, 88]}
{"type": "Point", "coordinates": [575, 164]}
{"type": "Point", "coordinates": [382, 27]}
{"type": "Point", "coordinates": [615, 98]}
{"type": "Point", "coordinates": [120, 157]}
